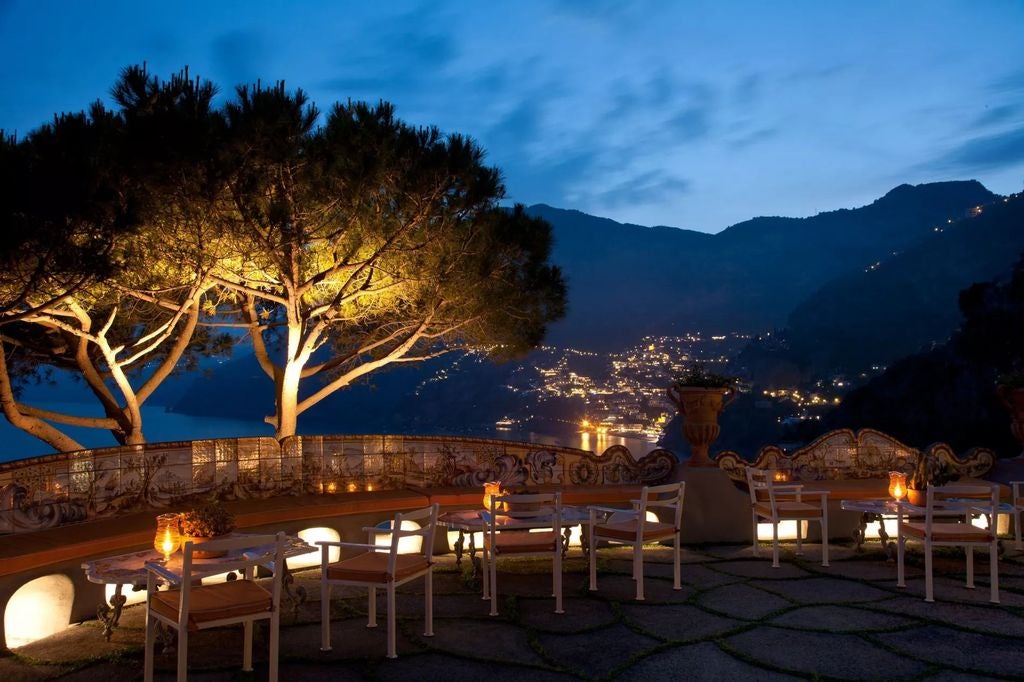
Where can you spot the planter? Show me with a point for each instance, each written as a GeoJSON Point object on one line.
{"type": "Point", "coordinates": [918, 498]}
{"type": "Point", "coordinates": [1013, 399]}
{"type": "Point", "coordinates": [198, 553]}
{"type": "Point", "coordinates": [699, 408]}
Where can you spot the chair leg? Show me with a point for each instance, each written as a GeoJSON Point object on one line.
{"type": "Point", "coordinates": [1016, 528]}
{"type": "Point", "coordinates": [372, 609]}
{"type": "Point", "coordinates": [753, 524]}
{"type": "Point", "coordinates": [428, 607]}
{"type": "Point", "coordinates": [775, 543]}
{"type": "Point", "coordinates": [900, 550]}
{"type": "Point", "coordinates": [391, 621]}
{"type": "Point", "coordinates": [993, 571]}
{"type": "Point", "coordinates": [150, 644]}
{"type": "Point", "coordinates": [638, 569]}
{"type": "Point", "coordinates": [493, 569]}
{"type": "Point", "coordinates": [929, 587]}
{"type": "Point", "coordinates": [275, 643]}
{"type": "Point", "coordinates": [247, 646]}
{"type": "Point", "coordinates": [485, 577]}
{"type": "Point", "coordinates": [824, 540]}
{"type": "Point", "coordinates": [325, 615]}
{"type": "Point", "coordinates": [592, 559]}
{"type": "Point", "coordinates": [677, 583]}
{"type": "Point", "coordinates": [970, 566]}
{"type": "Point", "coordinates": [182, 654]}
{"type": "Point", "coordinates": [799, 537]}
{"type": "Point", "coordinates": [557, 578]}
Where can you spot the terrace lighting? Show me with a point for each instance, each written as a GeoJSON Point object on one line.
{"type": "Point", "coordinates": [168, 536]}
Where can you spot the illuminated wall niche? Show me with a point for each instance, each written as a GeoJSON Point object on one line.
{"type": "Point", "coordinates": [40, 608]}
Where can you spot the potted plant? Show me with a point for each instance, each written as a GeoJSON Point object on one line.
{"type": "Point", "coordinates": [929, 469]}
{"type": "Point", "coordinates": [205, 523]}
{"type": "Point", "coordinates": [700, 396]}
{"type": "Point", "coordinates": [1010, 389]}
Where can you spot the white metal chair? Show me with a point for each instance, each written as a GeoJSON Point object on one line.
{"type": "Point", "coordinates": [383, 567]}
{"type": "Point", "coordinates": [947, 503]}
{"type": "Point", "coordinates": [631, 527]}
{"type": "Point", "coordinates": [509, 533]}
{"type": "Point", "coordinates": [775, 503]}
{"type": "Point", "coordinates": [198, 607]}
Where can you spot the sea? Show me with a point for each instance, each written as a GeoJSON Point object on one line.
{"type": "Point", "coordinates": [161, 425]}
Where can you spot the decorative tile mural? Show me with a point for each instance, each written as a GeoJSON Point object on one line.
{"type": "Point", "coordinates": [43, 492]}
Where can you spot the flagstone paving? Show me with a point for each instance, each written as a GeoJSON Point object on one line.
{"type": "Point", "coordinates": [735, 618]}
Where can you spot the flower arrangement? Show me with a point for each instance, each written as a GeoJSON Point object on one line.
{"type": "Point", "coordinates": [930, 469]}
{"type": "Point", "coordinates": [699, 377]}
{"type": "Point", "coordinates": [207, 521]}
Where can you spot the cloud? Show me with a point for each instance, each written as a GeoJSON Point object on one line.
{"type": "Point", "coordinates": [996, 115]}
{"type": "Point", "coordinates": [691, 123]}
{"type": "Point", "coordinates": [650, 187]}
{"type": "Point", "coordinates": [753, 137]}
{"type": "Point", "coordinates": [1011, 82]}
{"type": "Point", "coordinates": [988, 152]}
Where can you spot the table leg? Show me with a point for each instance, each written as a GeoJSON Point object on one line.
{"type": "Point", "coordinates": [567, 533]}
{"type": "Point", "coordinates": [585, 539]}
{"type": "Point", "coordinates": [110, 614]}
{"type": "Point", "coordinates": [296, 595]}
{"type": "Point", "coordinates": [883, 537]}
{"type": "Point", "coordinates": [861, 532]}
{"type": "Point", "coordinates": [472, 556]}
{"type": "Point", "coordinates": [459, 545]}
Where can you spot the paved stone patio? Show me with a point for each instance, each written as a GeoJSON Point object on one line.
{"type": "Point", "coordinates": [735, 618]}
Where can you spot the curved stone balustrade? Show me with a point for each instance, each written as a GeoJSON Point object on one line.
{"type": "Point", "coordinates": [846, 455]}
{"type": "Point", "coordinates": [49, 491]}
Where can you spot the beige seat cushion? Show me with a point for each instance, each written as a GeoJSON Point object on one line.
{"type": "Point", "coordinates": [626, 530]}
{"type": "Point", "coordinates": [948, 532]}
{"type": "Point", "coordinates": [790, 510]}
{"type": "Point", "coordinates": [372, 567]}
{"type": "Point", "coordinates": [208, 603]}
{"type": "Point", "coordinates": [521, 542]}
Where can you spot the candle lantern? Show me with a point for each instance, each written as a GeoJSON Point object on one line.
{"type": "Point", "coordinates": [780, 476]}
{"type": "Point", "coordinates": [493, 488]}
{"type": "Point", "coordinates": [897, 485]}
{"type": "Point", "coordinates": [168, 535]}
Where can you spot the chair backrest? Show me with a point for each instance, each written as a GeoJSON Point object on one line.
{"type": "Point", "coordinates": [244, 552]}
{"type": "Point", "coordinates": [759, 482]}
{"type": "Point", "coordinates": [532, 510]}
{"type": "Point", "coordinates": [669, 496]}
{"type": "Point", "coordinates": [426, 519]}
{"type": "Point", "coordinates": [982, 498]}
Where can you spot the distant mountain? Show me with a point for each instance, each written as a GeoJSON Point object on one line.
{"type": "Point", "coordinates": [909, 300]}
{"type": "Point", "coordinates": [627, 281]}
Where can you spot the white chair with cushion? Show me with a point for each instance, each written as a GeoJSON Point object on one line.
{"type": "Point", "coordinates": [509, 533]}
{"type": "Point", "coordinates": [194, 607]}
{"type": "Point", "coordinates": [382, 567]}
{"type": "Point", "coordinates": [631, 527]}
{"type": "Point", "coordinates": [774, 503]}
{"type": "Point", "coordinates": [947, 522]}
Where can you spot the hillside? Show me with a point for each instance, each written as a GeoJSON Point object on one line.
{"type": "Point", "coordinates": [627, 281]}
{"type": "Point", "coordinates": [909, 300]}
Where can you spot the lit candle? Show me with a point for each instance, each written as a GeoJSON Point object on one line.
{"type": "Point", "coordinates": [168, 537]}
{"type": "Point", "coordinates": [897, 485]}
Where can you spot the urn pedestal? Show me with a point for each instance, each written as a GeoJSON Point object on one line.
{"type": "Point", "coordinates": [700, 408]}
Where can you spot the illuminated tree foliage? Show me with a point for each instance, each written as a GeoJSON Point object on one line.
{"type": "Point", "coordinates": [339, 244]}
{"type": "Point", "coordinates": [366, 242]}
{"type": "Point", "coordinates": [110, 277]}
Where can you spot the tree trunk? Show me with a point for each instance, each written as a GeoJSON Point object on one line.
{"type": "Point", "coordinates": [33, 426]}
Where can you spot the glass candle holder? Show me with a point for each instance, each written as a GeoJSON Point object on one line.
{"type": "Point", "coordinates": [168, 535]}
{"type": "Point", "coordinates": [897, 485]}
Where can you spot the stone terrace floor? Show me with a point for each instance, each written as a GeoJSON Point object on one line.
{"type": "Point", "coordinates": [735, 618]}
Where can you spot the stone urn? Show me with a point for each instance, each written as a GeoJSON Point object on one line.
{"type": "Point", "coordinates": [1013, 399]}
{"type": "Point", "coordinates": [699, 407]}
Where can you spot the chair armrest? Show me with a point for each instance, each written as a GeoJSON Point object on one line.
{"type": "Point", "coordinates": [329, 543]}
{"type": "Point", "coordinates": [789, 487]}
{"type": "Point", "coordinates": [163, 573]}
{"type": "Point", "coordinates": [610, 510]}
{"type": "Point", "coordinates": [360, 545]}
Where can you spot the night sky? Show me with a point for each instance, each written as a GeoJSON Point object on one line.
{"type": "Point", "coordinates": [696, 115]}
